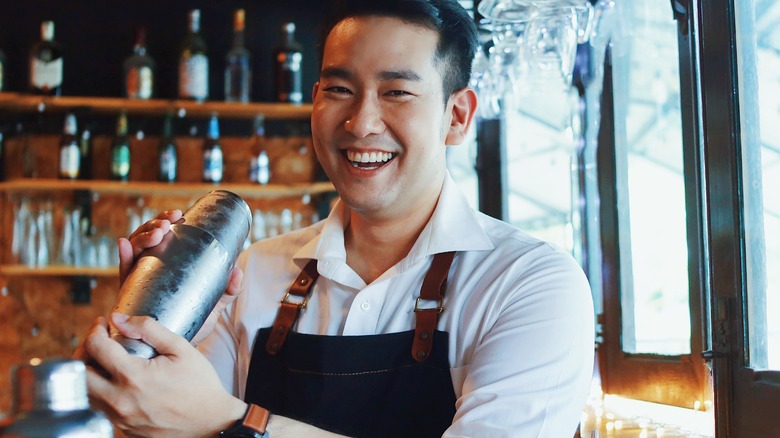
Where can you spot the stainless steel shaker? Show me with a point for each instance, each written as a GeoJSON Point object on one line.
{"type": "Point", "coordinates": [180, 281]}
{"type": "Point", "coordinates": [50, 401]}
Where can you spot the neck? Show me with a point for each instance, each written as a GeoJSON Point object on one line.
{"type": "Point", "coordinates": [374, 245]}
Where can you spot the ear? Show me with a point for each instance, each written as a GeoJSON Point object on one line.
{"type": "Point", "coordinates": [462, 106]}
{"type": "Point", "coordinates": [314, 91]}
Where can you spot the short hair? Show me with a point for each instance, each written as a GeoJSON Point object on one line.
{"type": "Point", "coordinates": [456, 29]}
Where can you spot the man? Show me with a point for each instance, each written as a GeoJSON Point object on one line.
{"type": "Point", "coordinates": [409, 314]}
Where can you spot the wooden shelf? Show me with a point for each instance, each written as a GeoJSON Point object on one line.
{"type": "Point", "coordinates": [153, 107]}
{"type": "Point", "coordinates": [251, 191]}
{"type": "Point", "coordinates": [57, 270]}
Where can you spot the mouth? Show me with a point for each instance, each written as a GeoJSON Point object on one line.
{"type": "Point", "coordinates": [368, 160]}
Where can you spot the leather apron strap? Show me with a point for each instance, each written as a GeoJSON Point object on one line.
{"type": "Point", "coordinates": [433, 288]}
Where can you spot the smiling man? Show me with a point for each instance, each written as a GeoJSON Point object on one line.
{"type": "Point", "coordinates": [405, 313]}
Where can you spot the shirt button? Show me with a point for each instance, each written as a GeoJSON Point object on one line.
{"type": "Point", "coordinates": [365, 305]}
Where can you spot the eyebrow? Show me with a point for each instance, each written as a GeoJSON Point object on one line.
{"type": "Point", "coordinates": [337, 72]}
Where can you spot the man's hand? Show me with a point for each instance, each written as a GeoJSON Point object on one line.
{"type": "Point", "coordinates": [176, 394]}
{"type": "Point", "coordinates": [150, 234]}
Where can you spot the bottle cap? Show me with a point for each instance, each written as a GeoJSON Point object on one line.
{"type": "Point", "coordinates": [54, 384]}
{"type": "Point", "coordinates": [47, 30]}
{"type": "Point", "coordinates": [238, 20]}
{"type": "Point", "coordinates": [70, 127]}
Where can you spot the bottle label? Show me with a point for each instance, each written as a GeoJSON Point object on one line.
{"type": "Point", "coordinates": [46, 75]}
{"type": "Point", "coordinates": [167, 165]}
{"type": "Point", "coordinates": [139, 83]}
{"type": "Point", "coordinates": [120, 161]}
{"type": "Point", "coordinates": [70, 161]}
{"type": "Point", "coordinates": [212, 165]}
{"type": "Point", "coordinates": [194, 77]}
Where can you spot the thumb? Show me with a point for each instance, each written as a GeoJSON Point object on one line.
{"type": "Point", "coordinates": [150, 331]}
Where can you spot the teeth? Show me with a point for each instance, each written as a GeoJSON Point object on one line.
{"type": "Point", "coordinates": [369, 157]}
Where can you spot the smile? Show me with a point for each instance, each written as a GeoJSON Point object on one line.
{"type": "Point", "coordinates": [368, 160]}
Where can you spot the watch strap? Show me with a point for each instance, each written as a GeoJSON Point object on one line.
{"type": "Point", "coordinates": [253, 425]}
{"type": "Point", "coordinates": [256, 418]}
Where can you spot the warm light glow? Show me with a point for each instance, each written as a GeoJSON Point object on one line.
{"type": "Point", "coordinates": [659, 432]}
{"type": "Point", "coordinates": [697, 405]}
{"type": "Point", "coordinates": [610, 426]}
{"type": "Point", "coordinates": [618, 424]}
{"type": "Point", "coordinates": [35, 361]}
{"type": "Point", "coordinates": [643, 433]}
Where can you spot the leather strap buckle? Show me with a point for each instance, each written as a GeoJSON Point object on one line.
{"type": "Point", "coordinates": [301, 304]}
{"type": "Point", "coordinates": [439, 307]}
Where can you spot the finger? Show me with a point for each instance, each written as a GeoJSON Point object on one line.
{"type": "Point", "coordinates": [149, 228]}
{"type": "Point", "coordinates": [107, 354]}
{"type": "Point", "coordinates": [151, 332]}
{"type": "Point", "coordinates": [232, 291]}
{"type": "Point", "coordinates": [234, 284]}
{"type": "Point", "coordinates": [171, 215]}
{"type": "Point", "coordinates": [126, 258]}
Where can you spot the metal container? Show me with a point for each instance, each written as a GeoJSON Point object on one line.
{"type": "Point", "coordinates": [180, 281]}
{"type": "Point", "coordinates": [50, 401]}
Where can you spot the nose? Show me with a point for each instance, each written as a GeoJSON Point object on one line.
{"type": "Point", "coordinates": [366, 118]}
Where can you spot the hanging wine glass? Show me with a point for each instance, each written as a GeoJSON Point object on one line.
{"type": "Point", "coordinates": [510, 11]}
{"type": "Point", "coordinates": [551, 43]}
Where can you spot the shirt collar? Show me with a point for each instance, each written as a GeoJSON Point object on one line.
{"type": "Point", "coordinates": [454, 226]}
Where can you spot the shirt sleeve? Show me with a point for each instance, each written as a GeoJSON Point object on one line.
{"type": "Point", "coordinates": [531, 370]}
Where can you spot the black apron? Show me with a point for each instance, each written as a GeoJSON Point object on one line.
{"type": "Point", "coordinates": [390, 385]}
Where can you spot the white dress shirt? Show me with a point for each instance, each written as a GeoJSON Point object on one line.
{"type": "Point", "coordinates": [519, 314]}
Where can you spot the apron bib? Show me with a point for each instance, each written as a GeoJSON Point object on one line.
{"type": "Point", "coordinates": [389, 385]}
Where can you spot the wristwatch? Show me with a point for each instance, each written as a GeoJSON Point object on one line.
{"type": "Point", "coordinates": [253, 425]}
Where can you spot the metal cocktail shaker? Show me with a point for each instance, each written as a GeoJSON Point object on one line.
{"type": "Point", "coordinates": [50, 401]}
{"type": "Point", "coordinates": [180, 281]}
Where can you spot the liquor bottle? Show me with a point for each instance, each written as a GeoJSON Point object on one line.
{"type": "Point", "coordinates": [194, 63]}
{"type": "Point", "coordinates": [259, 166]}
{"type": "Point", "coordinates": [70, 154]}
{"type": "Point", "coordinates": [212, 154]}
{"type": "Point", "coordinates": [120, 151]}
{"type": "Point", "coordinates": [238, 71]}
{"type": "Point", "coordinates": [85, 147]}
{"type": "Point", "coordinates": [287, 67]}
{"type": "Point", "coordinates": [138, 70]}
{"type": "Point", "coordinates": [2, 70]}
{"type": "Point", "coordinates": [167, 152]}
{"type": "Point", "coordinates": [46, 63]}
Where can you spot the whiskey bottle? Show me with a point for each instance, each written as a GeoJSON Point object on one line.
{"type": "Point", "coordinates": [287, 67]}
{"type": "Point", "coordinates": [194, 63]}
{"type": "Point", "coordinates": [46, 63]}
{"type": "Point", "coordinates": [120, 151]}
{"type": "Point", "coordinates": [238, 72]}
{"type": "Point", "coordinates": [167, 152]}
{"type": "Point", "coordinates": [259, 166]}
{"type": "Point", "coordinates": [70, 154]}
{"type": "Point", "coordinates": [212, 154]}
{"type": "Point", "coordinates": [138, 70]}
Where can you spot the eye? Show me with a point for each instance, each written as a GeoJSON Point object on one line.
{"type": "Point", "coordinates": [398, 93]}
{"type": "Point", "coordinates": [337, 90]}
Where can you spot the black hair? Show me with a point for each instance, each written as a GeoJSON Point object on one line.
{"type": "Point", "coordinates": [456, 29]}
